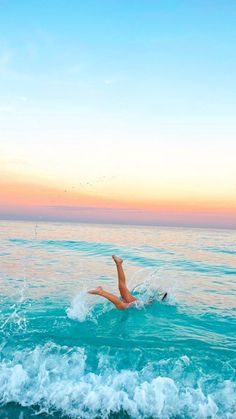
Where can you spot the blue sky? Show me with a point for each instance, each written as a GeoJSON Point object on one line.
{"type": "Point", "coordinates": [150, 78]}
{"type": "Point", "coordinates": [150, 55]}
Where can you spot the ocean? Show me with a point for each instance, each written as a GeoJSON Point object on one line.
{"type": "Point", "coordinates": [67, 354]}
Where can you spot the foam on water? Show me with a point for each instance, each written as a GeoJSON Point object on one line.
{"type": "Point", "coordinates": [53, 377]}
{"type": "Point", "coordinates": [83, 306]}
{"type": "Point", "coordinates": [80, 309]}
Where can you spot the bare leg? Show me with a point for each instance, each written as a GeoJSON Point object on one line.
{"type": "Point", "coordinates": [121, 305]}
{"type": "Point", "coordinates": [124, 292]}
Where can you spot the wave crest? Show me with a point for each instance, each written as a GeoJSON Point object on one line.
{"type": "Point", "coordinates": [60, 378]}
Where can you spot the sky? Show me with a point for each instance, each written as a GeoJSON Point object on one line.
{"type": "Point", "coordinates": [118, 111]}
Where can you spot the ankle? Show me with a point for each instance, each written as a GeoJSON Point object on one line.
{"type": "Point", "coordinates": [119, 263]}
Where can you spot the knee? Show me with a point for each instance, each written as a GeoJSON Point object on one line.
{"type": "Point", "coordinates": [122, 306]}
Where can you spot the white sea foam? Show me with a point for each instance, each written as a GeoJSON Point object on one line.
{"type": "Point", "coordinates": [147, 284]}
{"type": "Point", "coordinates": [53, 377]}
{"type": "Point", "coordinates": [154, 281]}
{"type": "Point", "coordinates": [80, 308]}
{"type": "Point", "coordinates": [83, 305]}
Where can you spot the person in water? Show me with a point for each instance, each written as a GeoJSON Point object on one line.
{"type": "Point", "coordinates": [128, 300]}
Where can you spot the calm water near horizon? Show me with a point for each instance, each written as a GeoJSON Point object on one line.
{"type": "Point", "coordinates": [67, 354]}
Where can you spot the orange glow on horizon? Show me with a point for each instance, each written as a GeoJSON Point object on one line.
{"type": "Point", "coordinates": [31, 195]}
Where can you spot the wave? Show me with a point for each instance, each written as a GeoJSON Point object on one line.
{"type": "Point", "coordinates": [157, 362]}
{"type": "Point", "coordinates": [220, 250]}
{"type": "Point", "coordinates": [134, 256]}
{"type": "Point", "coordinates": [61, 378]}
{"type": "Point", "coordinates": [76, 356]}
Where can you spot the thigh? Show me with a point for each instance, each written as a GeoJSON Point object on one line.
{"type": "Point", "coordinates": [127, 296]}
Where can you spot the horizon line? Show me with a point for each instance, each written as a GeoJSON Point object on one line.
{"type": "Point", "coordinates": [113, 223]}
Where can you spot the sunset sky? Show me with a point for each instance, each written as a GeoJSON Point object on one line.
{"type": "Point", "coordinates": [118, 111]}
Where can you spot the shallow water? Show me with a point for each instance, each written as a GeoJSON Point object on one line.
{"type": "Point", "coordinates": [65, 353]}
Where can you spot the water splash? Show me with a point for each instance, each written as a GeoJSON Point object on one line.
{"type": "Point", "coordinates": [77, 356]}
{"type": "Point", "coordinates": [80, 308]}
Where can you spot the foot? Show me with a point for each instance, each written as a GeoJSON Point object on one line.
{"type": "Point", "coordinates": [97, 291]}
{"type": "Point", "coordinates": [117, 260]}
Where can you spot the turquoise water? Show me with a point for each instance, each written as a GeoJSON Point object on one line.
{"type": "Point", "coordinates": [67, 354]}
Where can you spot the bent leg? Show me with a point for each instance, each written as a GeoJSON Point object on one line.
{"type": "Point", "coordinates": [121, 305]}
{"type": "Point", "coordinates": [124, 292]}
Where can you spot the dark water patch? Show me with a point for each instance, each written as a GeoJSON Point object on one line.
{"type": "Point", "coordinates": [4, 254]}
{"type": "Point", "coordinates": [210, 269]}
{"type": "Point", "coordinates": [220, 250]}
{"type": "Point", "coordinates": [16, 411]}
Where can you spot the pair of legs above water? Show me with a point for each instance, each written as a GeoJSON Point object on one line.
{"type": "Point", "coordinates": [127, 298]}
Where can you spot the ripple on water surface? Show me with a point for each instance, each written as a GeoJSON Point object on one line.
{"type": "Point", "coordinates": [70, 354]}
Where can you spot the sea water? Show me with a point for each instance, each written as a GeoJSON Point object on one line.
{"type": "Point", "coordinates": [67, 354]}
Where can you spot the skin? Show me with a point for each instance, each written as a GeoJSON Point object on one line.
{"type": "Point", "coordinates": [128, 300]}
{"type": "Point", "coordinates": [121, 305]}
